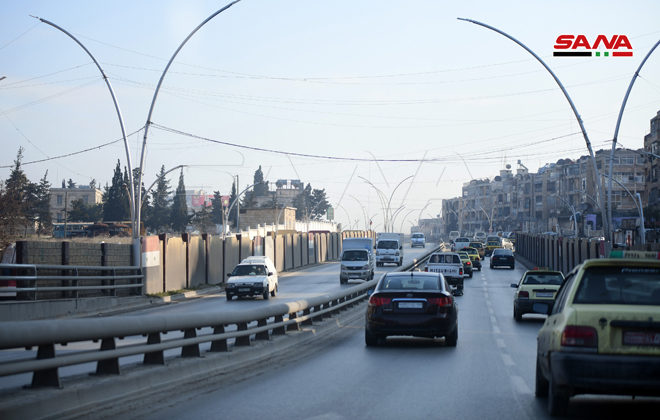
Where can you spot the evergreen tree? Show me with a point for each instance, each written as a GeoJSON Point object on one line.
{"type": "Point", "coordinates": [179, 217]}
{"type": "Point", "coordinates": [202, 220]}
{"type": "Point", "coordinates": [92, 184]}
{"type": "Point", "coordinates": [115, 199]}
{"type": "Point", "coordinates": [42, 205]}
{"type": "Point", "coordinates": [261, 187]}
{"type": "Point", "coordinates": [159, 219]}
{"type": "Point", "coordinates": [16, 201]}
{"type": "Point", "coordinates": [71, 184]}
{"type": "Point", "coordinates": [319, 204]}
{"type": "Point", "coordinates": [234, 211]}
{"type": "Point", "coordinates": [302, 203]}
{"type": "Point", "coordinates": [218, 208]}
{"type": "Point", "coordinates": [78, 213]}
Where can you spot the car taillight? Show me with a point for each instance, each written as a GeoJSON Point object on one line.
{"type": "Point", "coordinates": [443, 301]}
{"type": "Point", "coordinates": [426, 269]}
{"type": "Point", "coordinates": [469, 263]}
{"type": "Point", "coordinates": [579, 336]}
{"type": "Point", "coordinates": [460, 271]}
{"type": "Point", "coordinates": [379, 301]}
{"type": "Point", "coordinates": [523, 294]}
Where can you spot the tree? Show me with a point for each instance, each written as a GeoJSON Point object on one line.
{"type": "Point", "coordinates": [42, 207]}
{"type": "Point", "coordinates": [202, 220]}
{"type": "Point", "coordinates": [217, 209]}
{"type": "Point", "coordinates": [115, 199]}
{"type": "Point", "coordinates": [78, 212]}
{"type": "Point", "coordinates": [179, 217]}
{"type": "Point", "coordinates": [71, 184]}
{"type": "Point", "coordinates": [261, 187]}
{"type": "Point", "coordinates": [16, 200]}
{"type": "Point", "coordinates": [233, 214]}
{"type": "Point", "coordinates": [92, 184]}
{"type": "Point", "coordinates": [302, 203]}
{"type": "Point", "coordinates": [159, 218]}
{"type": "Point", "coordinates": [319, 204]}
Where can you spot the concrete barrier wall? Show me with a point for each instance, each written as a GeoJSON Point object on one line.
{"type": "Point", "coordinates": [288, 252]}
{"type": "Point", "coordinates": [559, 253]}
{"type": "Point", "coordinates": [175, 264]}
{"type": "Point", "coordinates": [246, 248]}
{"type": "Point", "coordinates": [197, 266]}
{"type": "Point", "coordinates": [279, 253]}
{"type": "Point", "coordinates": [295, 246]}
{"type": "Point", "coordinates": [269, 247]}
{"type": "Point", "coordinates": [311, 255]}
{"type": "Point", "coordinates": [152, 257]}
{"type": "Point", "coordinates": [216, 261]}
{"type": "Point", "coordinates": [232, 248]}
{"type": "Point", "coordinates": [304, 248]}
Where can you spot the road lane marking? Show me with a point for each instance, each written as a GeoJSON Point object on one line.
{"type": "Point", "coordinates": [490, 309]}
{"type": "Point", "coordinates": [500, 343]}
{"type": "Point", "coordinates": [520, 385]}
{"type": "Point", "coordinates": [493, 319]}
{"type": "Point", "coordinates": [496, 329]}
{"type": "Point", "coordinates": [508, 360]}
{"type": "Point", "coordinates": [486, 295]}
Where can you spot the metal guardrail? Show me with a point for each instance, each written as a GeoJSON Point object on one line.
{"type": "Point", "coordinates": [107, 280]}
{"type": "Point", "coordinates": [269, 320]}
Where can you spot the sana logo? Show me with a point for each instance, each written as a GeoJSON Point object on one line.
{"type": "Point", "coordinates": [579, 46]}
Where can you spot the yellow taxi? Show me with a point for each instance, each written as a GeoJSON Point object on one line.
{"type": "Point", "coordinates": [535, 286]}
{"type": "Point", "coordinates": [602, 334]}
{"type": "Point", "coordinates": [473, 253]}
{"type": "Point", "coordinates": [492, 245]}
{"type": "Point", "coordinates": [479, 246]}
{"type": "Point", "coordinates": [467, 263]}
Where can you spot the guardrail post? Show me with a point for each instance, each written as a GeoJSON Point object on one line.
{"type": "Point", "coordinates": [108, 366]}
{"type": "Point", "coordinates": [46, 377]}
{"type": "Point", "coordinates": [294, 326]}
{"type": "Point", "coordinates": [193, 349]}
{"type": "Point", "coordinates": [245, 339]}
{"type": "Point", "coordinates": [279, 330]}
{"type": "Point", "coordinates": [219, 345]}
{"type": "Point", "coordinates": [317, 318]}
{"type": "Point", "coordinates": [264, 335]}
{"type": "Point", "coordinates": [113, 282]}
{"type": "Point", "coordinates": [335, 311]}
{"type": "Point", "coordinates": [309, 321]}
{"type": "Point", "coordinates": [327, 314]}
{"type": "Point", "coordinates": [342, 300]}
{"type": "Point", "coordinates": [155, 357]}
{"type": "Point", "coordinates": [74, 283]}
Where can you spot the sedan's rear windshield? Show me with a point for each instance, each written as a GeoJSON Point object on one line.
{"type": "Point", "coordinates": [410, 283]}
{"type": "Point", "coordinates": [504, 252]}
{"type": "Point", "coordinates": [619, 285]}
{"type": "Point", "coordinates": [445, 259]}
{"type": "Point", "coordinates": [461, 240]}
{"type": "Point", "coordinates": [418, 235]}
{"type": "Point", "coordinates": [493, 243]}
{"type": "Point", "coordinates": [536, 278]}
{"type": "Point", "coordinates": [354, 256]}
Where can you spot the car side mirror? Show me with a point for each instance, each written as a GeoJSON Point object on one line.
{"type": "Point", "coordinates": [370, 292]}
{"type": "Point", "coordinates": [228, 274]}
{"type": "Point", "coordinates": [400, 247]}
{"type": "Point", "coordinates": [542, 308]}
{"type": "Point", "coordinates": [270, 273]}
{"type": "Point", "coordinates": [514, 285]}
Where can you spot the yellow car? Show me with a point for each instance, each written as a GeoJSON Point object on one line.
{"type": "Point", "coordinates": [492, 245]}
{"type": "Point", "coordinates": [473, 253]}
{"type": "Point", "coordinates": [535, 286]}
{"type": "Point", "coordinates": [467, 263]}
{"type": "Point", "coordinates": [480, 248]}
{"type": "Point", "coordinates": [602, 335]}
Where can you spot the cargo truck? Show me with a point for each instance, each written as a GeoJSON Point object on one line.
{"type": "Point", "coordinates": [389, 248]}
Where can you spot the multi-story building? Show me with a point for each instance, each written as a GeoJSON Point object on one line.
{"type": "Point", "coordinates": [61, 199]}
{"type": "Point", "coordinates": [652, 168]}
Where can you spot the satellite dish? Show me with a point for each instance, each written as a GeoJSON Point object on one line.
{"type": "Point", "coordinates": [583, 206]}
{"type": "Point", "coordinates": [508, 166]}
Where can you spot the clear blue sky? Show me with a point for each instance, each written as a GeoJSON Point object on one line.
{"type": "Point", "coordinates": [344, 79]}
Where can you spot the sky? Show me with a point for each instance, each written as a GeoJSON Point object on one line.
{"type": "Point", "coordinates": [333, 93]}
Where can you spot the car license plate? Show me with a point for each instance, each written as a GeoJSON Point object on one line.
{"type": "Point", "coordinates": [544, 294]}
{"type": "Point", "coordinates": [243, 290]}
{"type": "Point", "coordinates": [354, 276]}
{"type": "Point", "coordinates": [411, 305]}
{"type": "Point", "coordinates": [641, 338]}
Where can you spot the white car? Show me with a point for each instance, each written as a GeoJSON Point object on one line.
{"type": "Point", "coordinates": [461, 242]}
{"type": "Point", "coordinates": [418, 239]}
{"type": "Point", "coordinates": [254, 276]}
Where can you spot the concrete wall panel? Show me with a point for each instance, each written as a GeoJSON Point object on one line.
{"type": "Point", "coordinates": [269, 247]}
{"type": "Point", "coordinates": [197, 248]}
{"type": "Point", "coordinates": [279, 253]}
{"type": "Point", "coordinates": [231, 255]}
{"type": "Point", "coordinates": [216, 273]}
{"type": "Point", "coordinates": [175, 265]}
{"type": "Point", "coordinates": [296, 250]}
{"type": "Point", "coordinates": [288, 253]}
{"type": "Point", "coordinates": [304, 248]}
{"type": "Point", "coordinates": [246, 247]}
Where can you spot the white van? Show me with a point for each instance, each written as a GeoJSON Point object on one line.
{"type": "Point", "coordinates": [254, 276]}
{"type": "Point", "coordinates": [453, 235]}
{"type": "Point", "coordinates": [355, 265]}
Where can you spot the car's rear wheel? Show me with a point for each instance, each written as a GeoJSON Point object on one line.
{"type": "Point", "coordinates": [452, 339]}
{"type": "Point", "coordinates": [541, 389]}
{"type": "Point", "coordinates": [517, 315]}
{"type": "Point", "coordinates": [369, 339]}
{"type": "Point", "coordinates": [557, 399]}
{"type": "Point", "coordinates": [274, 292]}
{"type": "Point", "coordinates": [470, 275]}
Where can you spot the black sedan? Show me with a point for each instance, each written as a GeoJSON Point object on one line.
{"type": "Point", "coordinates": [417, 304]}
{"type": "Point", "coordinates": [502, 257]}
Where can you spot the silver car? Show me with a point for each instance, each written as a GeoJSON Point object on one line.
{"type": "Point", "coordinates": [418, 239]}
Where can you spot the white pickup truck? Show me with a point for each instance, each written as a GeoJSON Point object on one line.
{"type": "Point", "coordinates": [448, 264]}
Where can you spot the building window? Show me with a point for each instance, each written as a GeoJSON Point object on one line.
{"type": "Point", "coordinates": [60, 200]}
{"type": "Point", "coordinates": [85, 199]}
{"type": "Point", "coordinates": [60, 217]}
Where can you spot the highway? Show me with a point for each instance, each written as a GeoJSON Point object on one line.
{"type": "Point", "coordinates": [489, 375]}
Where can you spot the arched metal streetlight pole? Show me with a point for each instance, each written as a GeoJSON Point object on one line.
{"type": "Point", "coordinates": [239, 196]}
{"type": "Point", "coordinates": [573, 210]}
{"type": "Point", "coordinates": [606, 226]}
{"type": "Point", "coordinates": [614, 140]}
{"type": "Point", "coordinates": [364, 211]}
{"type": "Point", "coordinates": [131, 193]}
{"type": "Point", "coordinates": [153, 103]}
{"type": "Point", "coordinates": [638, 205]}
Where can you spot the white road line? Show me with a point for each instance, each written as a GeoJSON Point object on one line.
{"type": "Point", "coordinates": [496, 329]}
{"type": "Point", "coordinates": [520, 385]}
{"type": "Point", "coordinates": [488, 303]}
{"type": "Point", "coordinates": [500, 343]}
{"type": "Point", "coordinates": [490, 309]}
{"type": "Point", "coordinates": [493, 319]}
{"type": "Point", "coordinates": [486, 295]}
{"type": "Point", "coordinates": [508, 360]}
